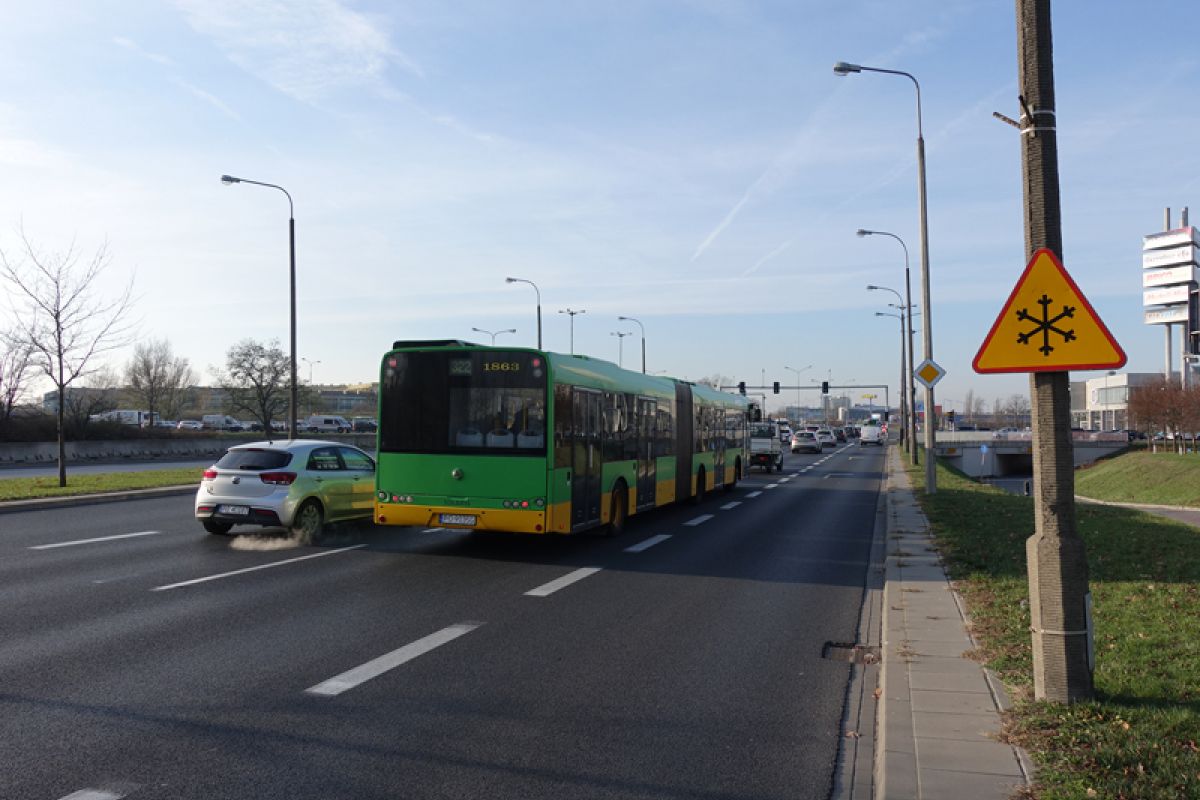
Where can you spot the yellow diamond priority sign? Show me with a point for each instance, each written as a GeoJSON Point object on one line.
{"type": "Point", "coordinates": [1047, 325]}
{"type": "Point", "coordinates": [928, 373]}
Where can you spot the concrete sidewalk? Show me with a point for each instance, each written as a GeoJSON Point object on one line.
{"type": "Point", "coordinates": [940, 711]}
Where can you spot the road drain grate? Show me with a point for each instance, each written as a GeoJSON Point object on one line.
{"type": "Point", "coordinates": [853, 653]}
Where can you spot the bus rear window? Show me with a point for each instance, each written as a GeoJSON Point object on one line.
{"type": "Point", "coordinates": [485, 402]}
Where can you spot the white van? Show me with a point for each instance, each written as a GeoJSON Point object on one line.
{"type": "Point", "coordinates": [221, 422]}
{"type": "Point", "coordinates": [325, 423]}
{"type": "Point", "coordinates": [870, 433]}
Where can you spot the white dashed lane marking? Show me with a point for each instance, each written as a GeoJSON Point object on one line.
{"type": "Point", "coordinates": [92, 541]}
{"type": "Point", "coordinates": [208, 578]}
{"type": "Point", "coordinates": [772, 486]}
{"type": "Point", "coordinates": [566, 580]}
{"type": "Point", "coordinates": [729, 506]}
{"type": "Point", "coordinates": [753, 494]}
{"type": "Point", "coordinates": [700, 520]}
{"type": "Point", "coordinates": [376, 667]}
{"type": "Point", "coordinates": [648, 543]}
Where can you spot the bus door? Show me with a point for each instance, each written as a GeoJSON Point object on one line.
{"type": "Point", "coordinates": [717, 443]}
{"type": "Point", "coordinates": [647, 477]}
{"type": "Point", "coordinates": [585, 459]}
{"type": "Point", "coordinates": [685, 444]}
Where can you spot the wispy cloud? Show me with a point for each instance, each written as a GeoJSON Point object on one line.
{"type": "Point", "coordinates": [133, 46]}
{"type": "Point", "coordinates": [209, 98]}
{"type": "Point", "coordinates": [767, 258]}
{"type": "Point", "coordinates": [306, 50]}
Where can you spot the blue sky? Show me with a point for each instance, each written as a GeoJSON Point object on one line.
{"type": "Point", "coordinates": [696, 165]}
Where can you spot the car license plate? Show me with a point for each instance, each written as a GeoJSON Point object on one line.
{"type": "Point", "coordinates": [456, 519]}
{"type": "Point", "coordinates": [239, 510]}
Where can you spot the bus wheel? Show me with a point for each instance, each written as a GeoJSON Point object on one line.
{"type": "Point", "coordinates": [620, 510]}
{"type": "Point", "coordinates": [698, 497]}
{"type": "Point", "coordinates": [737, 475]}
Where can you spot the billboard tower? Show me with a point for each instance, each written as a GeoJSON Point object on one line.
{"type": "Point", "coordinates": [1169, 293]}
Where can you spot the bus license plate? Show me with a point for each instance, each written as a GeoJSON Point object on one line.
{"type": "Point", "coordinates": [456, 519]}
{"type": "Point", "coordinates": [239, 510]}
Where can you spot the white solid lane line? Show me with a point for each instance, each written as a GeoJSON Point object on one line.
{"type": "Point", "coordinates": [208, 578]}
{"type": "Point", "coordinates": [376, 667]}
{"type": "Point", "coordinates": [646, 545]}
{"type": "Point", "coordinates": [728, 506]}
{"type": "Point", "coordinates": [97, 539]}
{"type": "Point", "coordinates": [700, 520]}
{"type": "Point", "coordinates": [566, 580]}
{"type": "Point", "coordinates": [753, 494]}
{"type": "Point", "coordinates": [93, 794]}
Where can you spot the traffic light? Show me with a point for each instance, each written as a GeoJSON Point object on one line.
{"type": "Point", "coordinates": [824, 387]}
{"type": "Point", "coordinates": [775, 387]}
{"type": "Point", "coordinates": [741, 387]}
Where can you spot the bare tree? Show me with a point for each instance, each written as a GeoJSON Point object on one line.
{"type": "Point", "coordinates": [98, 393]}
{"type": "Point", "coordinates": [256, 377]}
{"type": "Point", "coordinates": [62, 318]}
{"type": "Point", "coordinates": [1017, 410]}
{"type": "Point", "coordinates": [14, 375]}
{"type": "Point", "coordinates": [157, 378]}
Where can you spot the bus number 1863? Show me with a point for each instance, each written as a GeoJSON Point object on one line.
{"type": "Point", "coordinates": [501, 366]}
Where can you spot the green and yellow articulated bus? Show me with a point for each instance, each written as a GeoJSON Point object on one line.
{"type": "Point", "coordinates": [525, 441]}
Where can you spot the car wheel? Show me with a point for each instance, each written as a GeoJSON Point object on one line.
{"type": "Point", "coordinates": [309, 522]}
{"type": "Point", "coordinates": [216, 528]}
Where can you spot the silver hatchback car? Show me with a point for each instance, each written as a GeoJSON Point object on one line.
{"type": "Point", "coordinates": [300, 485]}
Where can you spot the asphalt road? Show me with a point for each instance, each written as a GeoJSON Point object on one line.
{"type": "Point", "coordinates": [682, 659]}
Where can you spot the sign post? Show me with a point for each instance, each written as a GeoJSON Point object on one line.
{"type": "Point", "coordinates": [1051, 334]}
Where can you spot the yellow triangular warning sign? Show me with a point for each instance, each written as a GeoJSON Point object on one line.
{"type": "Point", "coordinates": [1047, 325]}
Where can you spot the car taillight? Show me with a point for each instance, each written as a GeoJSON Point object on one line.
{"type": "Point", "coordinates": [278, 478]}
{"type": "Point", "coordinates": [209, 474]}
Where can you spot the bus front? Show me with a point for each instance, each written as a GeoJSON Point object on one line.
{"type": "Point", "coordinates": [463, 439]}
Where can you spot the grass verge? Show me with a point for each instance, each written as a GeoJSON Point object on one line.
{"type": "Point", "coordinates": [1140, 738]}
{"type": "Point", "coordinates": [95, 483]}
{"type": "Point", "coordinates": [1142, 477]}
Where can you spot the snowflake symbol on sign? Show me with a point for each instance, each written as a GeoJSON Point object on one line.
{"type": "Point", "coordinates": [1045, 325]}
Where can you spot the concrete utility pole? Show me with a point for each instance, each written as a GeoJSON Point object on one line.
{"type": "Point", "coordinates": [1059, 601]}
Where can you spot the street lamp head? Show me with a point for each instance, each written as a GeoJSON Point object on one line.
{"type": "Point", "coordinates": [228, 179]}
{"type": "Point", "coordinates": [872, 287]}
{"type": "Point", "coordinates": [844, 69]}
{"type": "Point", "coordinates": [863, 232]}
{"type": "Point", "coordinates": [510, 280]}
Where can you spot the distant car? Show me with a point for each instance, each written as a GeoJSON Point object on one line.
{"type": "Point", "coordinates": [328, 423]}
{"type": "Point", "coordinates": [805, 442]}
{"type": "Point", "coordinates": [364, 424]}
{"type": "Point", "coordinates": [190, 425]}
{"type": "Point", "coordinates": [301, 485]}
{"type": "Point", "coordinates": [870, 434]}
{"type": "Point", "coordinates": [839, 434]}
{"type": "Point", "coordinates": [166, 423]}
{"type": "Point", "coordinates": [826, 438]}
{"type": "Point", "coordinates": [279, 426]}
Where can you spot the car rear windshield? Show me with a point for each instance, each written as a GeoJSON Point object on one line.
{"type": "Point", "coordinates": [254, 459]}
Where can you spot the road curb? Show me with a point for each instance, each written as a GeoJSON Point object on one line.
{"type": "Point", "coordinates": [1154, 506]}
{"type": "Point", "coordinates": [43, 503]}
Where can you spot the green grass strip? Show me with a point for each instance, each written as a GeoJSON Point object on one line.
{"type": "Point", "coordinates": [1140, 738]}
{"type": "Point", "coordinates": [95, 483]}
{"type": "Point", "coordinates": [1143, 477]}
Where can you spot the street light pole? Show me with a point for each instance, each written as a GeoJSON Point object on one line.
{"type": "Point", "coordinates": [909, 388]}
{"type": "Point", "coordinates": [494, 334]}
{"type": "Point", "coordinates": [292, 407]}
{"type": "Point", "coordinates": [621, 345]}
{"type": "Point", "coordinates": [643, 329]}
{"type": "Point", "coordinates": [539, 304]}
{"type": "Point", "coordinates": [798, 371]}
{"type": "Point", "coordinates": [572, 314]}
{"type": "Point", "coordinates": [842, 68]}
